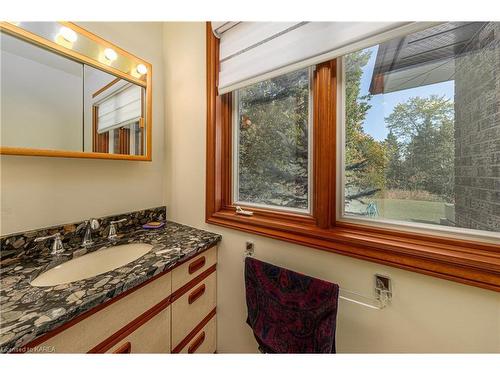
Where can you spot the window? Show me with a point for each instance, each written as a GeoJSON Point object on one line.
{"type": "Point", "coordinates": [375, 154]}
{"type": "Point", "coordinates": [421, 129]}
{"type": "Point", "coordinates": [271, 126]}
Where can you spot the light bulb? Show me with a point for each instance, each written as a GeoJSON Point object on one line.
{"type": "Point", "coordinates": [141, 69]}
{"type": "Point", "coordinates": [110, 54]}
{"type": "Point", "coordinates": [68, 34]}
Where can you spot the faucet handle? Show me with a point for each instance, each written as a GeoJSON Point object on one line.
{"type": "Point", "coordinates": [112, 228]}
{"type": "Point", "coordinates": [117, 221]}
{"type": "Point", "coordinates": [57, 246]}
{"type": "Point", "coordinates": [93, 223]}
{"type": "Point", "coordinates": [89, 225]}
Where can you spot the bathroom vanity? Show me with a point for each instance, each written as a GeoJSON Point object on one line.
{"type": "Point", "coordinates": [75, 288]}
{"type": "Point", "coordinates": [163, 302]}
{"type": "Point", "coordinates": [173, 311]}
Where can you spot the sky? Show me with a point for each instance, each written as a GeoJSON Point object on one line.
{"type": "Point", "coordinates": [383, 104]}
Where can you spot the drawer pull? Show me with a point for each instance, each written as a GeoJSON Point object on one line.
{"type": "Point", "coordinates": [195, 345]}
{"type": "Point", "coordinates": [196, 294]}
{"type": "Point", "coordinates": [196, 265]}
{"type": "Point", "coordinates": [124, 349]}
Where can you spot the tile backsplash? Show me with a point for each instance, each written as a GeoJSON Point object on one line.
{"type": "Point", "coordinates": [14, 246]}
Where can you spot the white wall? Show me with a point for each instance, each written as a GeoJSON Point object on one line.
{"type": "Point", "coordinates": [41, 97]}
{"type": "Point", "coordinates": [427, 314]}
{"type": "Point", "coordinates": [38, 191]}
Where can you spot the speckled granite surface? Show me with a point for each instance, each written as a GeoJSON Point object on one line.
{"type": "Point", "coordinates": [18, 245]}
{"type": "Point", "coordinates": [28, 312]}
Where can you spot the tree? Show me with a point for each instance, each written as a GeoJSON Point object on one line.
{"type": "Point", "coordinates": [273, 141]}
{"type": "Point", "coordinates": [356, 106]}
{"type": "Point", "coordinates": [425, 131]}
{"type": "Point", "coordinates": [395, 174]}
{"type": "Point", "coordinates": [365, 157]}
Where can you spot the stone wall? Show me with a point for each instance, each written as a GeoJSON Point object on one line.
{"type": "Point", "coordinates": [477, 132]}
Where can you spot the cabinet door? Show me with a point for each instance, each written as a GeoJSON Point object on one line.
{"type": "Point", "coordinates": [151, 337]}
{"type": "Point", "coordinates": [94, 329]}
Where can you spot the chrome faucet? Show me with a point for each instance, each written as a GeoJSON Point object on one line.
{"type": "Point", "coordinates": [57, 246]}
{"type": "Point", "coordinates": [112, 228]}
{"type": "Point", "coordinates": [89, 225]}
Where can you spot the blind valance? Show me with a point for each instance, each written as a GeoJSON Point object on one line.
{"type": "Point", "coordinates": [123, 107]}
{"type": "Point", "coordinates": [254, 51]}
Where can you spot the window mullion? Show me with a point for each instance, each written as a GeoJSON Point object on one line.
{"type": "Point", "coordinates": [324, 147]}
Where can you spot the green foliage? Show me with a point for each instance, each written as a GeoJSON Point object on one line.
{"type": "Point", "coordinates": [417, 154]}
{"type": "Point", "coordinates": [273, 143]}
{"type": "Point", "coordinates": [356, 106]}
{"type": "Point", "coordinates": [360, 146]}
{"type": "Point", "coordinates": [423, 156]}
{"type": "Point", "coordinates": [395, 174]}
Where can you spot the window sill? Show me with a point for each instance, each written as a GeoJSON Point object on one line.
{"type": "Point", "coordinates": [471, 263]}
{"type": "Point", "coordinates": [468, 262]}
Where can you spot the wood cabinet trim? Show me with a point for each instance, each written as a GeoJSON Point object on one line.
{"type": "Point", "coordinates": [126, 348]}
{"type": "Point", "coordinates": [197, 264]}
{"type": "Point", "coordinates": [151, 313]}
{"type": "Point", "coordinates": [197, 293]}
{"type": "Point", "coordinates": [194, 332]}
{"type": "Point", "coordinates": [185, 288]}
{"type": "Point", "coordinates": [130, 327]}
{"type": "Point", "coordinates": [96, 309]}
{"type": "Point", "coordinates": [197, 343]}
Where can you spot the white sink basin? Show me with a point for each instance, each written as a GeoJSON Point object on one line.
{"type": "Point", "coordinates": [92, 264]}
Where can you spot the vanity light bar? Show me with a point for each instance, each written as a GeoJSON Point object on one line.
{"type": "Point", "coordinates": [141, 69]}
{"type": "Point", "coordinates": [71, 40]}
{"type": "Point", "coordinates": [110, 54]}
{"type": "Point", "coordinates": [68, 34]}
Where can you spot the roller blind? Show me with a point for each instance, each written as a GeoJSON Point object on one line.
{"type": "Point", "coordinates": [254, 51]}
{"type": "Point", "coordinates": [123, 107]}
{"type": "Point", "coordinates": [221, 27]}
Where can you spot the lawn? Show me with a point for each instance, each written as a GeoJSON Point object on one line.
{"type": "Point", "coordinates": [410, 210]}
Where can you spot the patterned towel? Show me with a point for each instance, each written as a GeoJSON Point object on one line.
{"type": "Point", "coordinates": [290, 312]}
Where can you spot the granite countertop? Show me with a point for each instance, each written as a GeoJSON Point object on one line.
{"type": "Point", "coordinates": [27, 312]}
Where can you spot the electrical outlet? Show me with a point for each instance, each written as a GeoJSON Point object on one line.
{"type": "Point", "coordinates": [383, 284]}
{"type": "Point", "coordinates": [249, 248]}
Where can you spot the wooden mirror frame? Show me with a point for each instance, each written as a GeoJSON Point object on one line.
{"type": "Point", "coordinates": [74, 55]}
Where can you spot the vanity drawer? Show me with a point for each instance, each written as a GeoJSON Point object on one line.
{"type": "Point", "coordinates": [204, 341]}
{"type": "Point", "coordinates": [85, 334]}
{"type": "Point", "coordinates": [192, 307]}
{"type": "Point", "coordinates": [194, 267]}
{"type": "Point", "coordinates": [151, 337]}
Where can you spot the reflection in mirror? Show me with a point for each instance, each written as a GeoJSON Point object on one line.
{"type": "Point", "coordinates": [41, 97]}
{"type": "Point", "coordinates": [52, 102]}
{"type": "Point", "coordinates": [114, 114]}
{"type": "Point", "coordinates": [76, 39]}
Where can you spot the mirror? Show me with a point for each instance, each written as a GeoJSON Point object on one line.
{"type": "Point", "coordinates": [57, 101]}
{"type": "Point", "coordinates": [113, 117]}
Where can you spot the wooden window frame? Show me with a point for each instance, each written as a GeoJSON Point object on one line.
{"type": "Point", "coordinates": [468, 262]}
{"type": "Point", "coordinates": [100, 142]}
